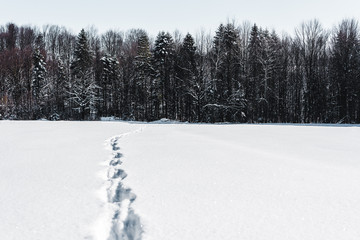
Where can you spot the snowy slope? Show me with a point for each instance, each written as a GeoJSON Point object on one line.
{"type": "Point", "coordinates": [72, 180]}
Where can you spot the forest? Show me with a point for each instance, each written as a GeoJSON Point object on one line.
{"type": "Point", "coordinates": [241, 73]}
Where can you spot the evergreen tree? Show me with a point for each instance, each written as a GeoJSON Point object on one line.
{"type": "Point", "coordinates": [233, 94]}
{"type": "Point", "coordinates": [186, 74]}
{"type": "Point", "coordinates": [226, 100]}
{"type": "Point", "coordinates": [58, 91]}
{"type": "Point", "coordinates": [39, 83]}
{"type": "Point", "coordinates": [143, 72]}
{"type": "Point", "coordinates": [282, 48]}
{"type": "Point", "coordinates": [83, 89]}
{"type": "Point", "coordinates": [344, 72]}
{"type": "Point", "coordinates": [39, 71]}
{"type": "Point", "coordinates": [163, 63]}
{"type": "Point", "coordinates": [214, 109]}
{"type": "Point", "coordinates": [109, 83]}
{"type": "Point", "coordinates": [253, 80]}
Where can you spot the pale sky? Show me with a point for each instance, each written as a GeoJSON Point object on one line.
{"type": "Point", "coordinates": [169, 15]}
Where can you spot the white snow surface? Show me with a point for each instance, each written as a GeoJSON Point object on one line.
{"type": "Point", "coordinates": [52, 178]}
{"type": "Point", "coordinates": [191, 181]}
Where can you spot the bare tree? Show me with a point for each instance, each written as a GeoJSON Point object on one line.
{"type": "Point", "coordinates": [312, 39]}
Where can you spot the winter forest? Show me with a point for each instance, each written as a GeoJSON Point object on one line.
{"type": "Point", "coordinates": [240, 73]}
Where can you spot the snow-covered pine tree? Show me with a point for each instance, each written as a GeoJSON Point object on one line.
{"type": "Point", "coordinates": [186, 74]}
{"type": "Point", "coordinates": [109, 82]}
{"type": "Point", "coordinates": [252, 82]}
{"type": "Point", "coordinates": [163, 63]}
{"type": "Point", "coordinates": [224, 104]}
{"type": "Point", "coordinates": [143, 77]}
{"type": "Point", "coordinates": [233, 94]}
{"type": "Point", "coordinates": [212, 109]}
{"type": "Point", "coordinates": [277, 83]}
{"type": "Point", "coordinates": [39, 71]}
{"type": "Point", "coordinates": [82, 55]}
{"type": "Point", "coordinates": [57, 95]}
{"type": "Point", "coordinates": [344, 86]}
{"type": "Point", "coordinates": [82, 93]}
{"type": "Point", "coordinates": [38, 83]}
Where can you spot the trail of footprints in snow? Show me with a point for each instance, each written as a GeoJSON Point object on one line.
{"type": "Point", "coordinates": [125, 223]}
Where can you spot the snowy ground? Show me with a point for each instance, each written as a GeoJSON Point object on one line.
{"type": "Point", "coordinates": [71, 180]}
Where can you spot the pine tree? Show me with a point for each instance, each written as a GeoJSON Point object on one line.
{"type": "Point", "coordinates": [58, 91]}
{"type": "Point", "coordinates": [344, 72]}
{"type": "Point", "coordinates": [109, 83]}
{"type": "Point", "coordinates": [253, 81]}
{"type": "Point", "coordinates": [213, 110]}
{"type": "Point", "coordinates": [278, 79]}
{"type": "Point", "coordinates": [38, 84]}
{"type": "Point", "coordinates": [83, 89]}
{"type": "Point", "coordinates": [233, 94]}
{"type": "Point", "coordinates": [39, 71]}
{"type": "Point", "coordinates": [82, 55]}
{"type": "Point", "coordinates": [186, 74]}
{"type": "Point", "coordinates": [163, 63]}
{"type": "Point", "coordinates": [226, 98]}
{"type": "Point", "coordinates": [218, 53]}
{"type": "Point", "coordinates": [143, 73]}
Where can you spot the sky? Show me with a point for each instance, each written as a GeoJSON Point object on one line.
{"type": "Point", "coordinates": [169, 15]}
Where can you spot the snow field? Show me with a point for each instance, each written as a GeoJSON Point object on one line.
{"type": "Point", "coordinates": [104, 180]}
{"type": "Point", "coordinates": [53, 176]}
{"type": "Point", "coordinates": [245, 181]}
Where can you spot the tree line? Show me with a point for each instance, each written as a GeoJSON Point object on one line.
{"type": "Point", "coordinates": [243, 73]}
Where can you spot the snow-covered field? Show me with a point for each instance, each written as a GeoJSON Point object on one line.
{"type": "Point", "coordinates": [72, 180]}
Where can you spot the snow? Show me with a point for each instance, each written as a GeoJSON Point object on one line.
{"type": "Point", "coordinates": [245, 181]}
{"type": "Point", "coordinates": [51, 177]}
{"type": "Point", "coordinates": [67, 180]}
